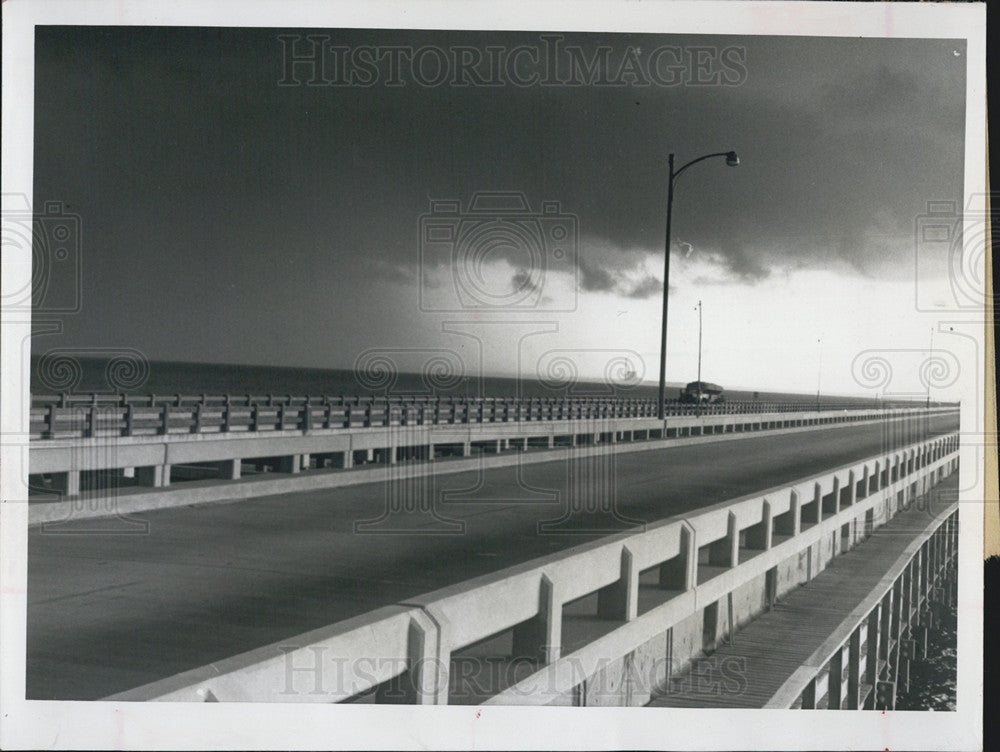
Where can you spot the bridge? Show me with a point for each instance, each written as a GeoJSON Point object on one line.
{"type": "Point", "coordinates": [119, 447]}
{"type": "Point", "coordinates": [577, 558]}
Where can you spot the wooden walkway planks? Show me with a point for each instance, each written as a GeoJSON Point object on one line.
{"type": "Point", "coordinates": [748, 670]}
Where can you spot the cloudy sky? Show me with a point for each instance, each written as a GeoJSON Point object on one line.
{"type": "Point", "coordinates": [236, 209]}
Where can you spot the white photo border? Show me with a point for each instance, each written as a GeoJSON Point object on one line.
{"type": "Point", "coordinates": [97, 724]}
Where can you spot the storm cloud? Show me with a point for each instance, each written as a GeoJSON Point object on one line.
{"type": "Point", "coordinates": [186, 160]}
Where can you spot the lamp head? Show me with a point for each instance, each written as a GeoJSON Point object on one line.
{"type": "Point", "coordinates": [732, 159]}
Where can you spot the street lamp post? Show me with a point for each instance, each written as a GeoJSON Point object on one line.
{"type": "Point", "coordinates": [930, 361]}
{"type": "Point", "coordinates": [819, 372]}
{"type": "Point", "coordinates": [733, 161]}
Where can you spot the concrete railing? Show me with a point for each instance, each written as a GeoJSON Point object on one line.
{"type": "Point", "coordinates": [638, 586]}
{"type": "Point", "coordinates": [295, 443]}
{"type": "Point", "coordinates": [89, 415]}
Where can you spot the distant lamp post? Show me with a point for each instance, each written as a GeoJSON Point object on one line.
{"type": "Point", "coordinates": [930, 365]}
{"type": "Point", "coordinates": [733, 160]}
{"type": "Point", "coordinates": [819, 372]}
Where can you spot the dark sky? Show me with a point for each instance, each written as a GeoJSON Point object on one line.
{"type": "Point", "coordinates": [229, 218]}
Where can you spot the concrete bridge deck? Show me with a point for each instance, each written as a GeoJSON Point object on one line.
{"type": "Point", "coordinates": [114, 607]}
{"type": "Point", "coordinates": [776, 644]}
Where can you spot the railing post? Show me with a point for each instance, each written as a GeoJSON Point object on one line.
{"type": "Point", "coordinates": [793, 524]}
{"type": "Point", "coordinates": [619, 600]}
{"type": "Point", "coordinates": [809, 695]}
{"type": "Point", "coordinates": [90, 421]}
{"type": "Point", "coordinates": [835, 680]}
{"type": "Point", "coordinates": [854, 670]}
{"type": "Point", "coordinates": [540, 638]}
{"type": "Point", "coordinates": [874, 644]}
{"type": "Point", "coordinates": [761, 538]}
{"type": "Point", "coordinates": [165, 425]}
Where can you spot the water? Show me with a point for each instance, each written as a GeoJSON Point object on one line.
{"type": "Point", "coordinates": [134, 375]}
{"type": "Point", "coordinates": [932, 681]}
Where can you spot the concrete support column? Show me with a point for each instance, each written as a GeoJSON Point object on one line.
{"type": "Point", "coordinates": [154, 476]}
{"type": "Point", "coordinates": [348, 461]}
{"type": "Point", "coordinates": [230, 469]}
{"type": "Point", "coordinates": [289, 463]}
{"type": "Point", "coordinates": [818, 499]}
{"type": "Point", "coordinates": [67, 483]}
{"type": "Point", "coordinates": [540, 638]}
{"type": "Point", "coordinates": [885, 692]}
{"type": "Point", "coordinates": [620, 600]}
{"type": "Point", "coordinates": [306, 461]}
{"type": "Point", "coordinates": [551, 442]}
{"type": "Point", "coordinates": [903, 680]}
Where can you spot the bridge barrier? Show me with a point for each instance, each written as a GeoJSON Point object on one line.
{"type": "Point", "coordinates": [87, 415]}
{"type": "Point", "coordinates": [865, 661]}
{"type": "Point", "coordinates": [197, 441]}
{"type": "Point", "coordinates": [643, 589]}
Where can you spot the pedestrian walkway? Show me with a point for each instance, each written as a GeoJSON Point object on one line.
{"type": "Point", "coordinates": [767, 651]}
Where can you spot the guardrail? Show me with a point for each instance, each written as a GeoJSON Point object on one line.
{"type": "Point", "coordinates": [557, 621]}
{"type": "Point", "coordinates": [86, 415]}
{"type": "Point", "coordinates": [98, 455]}
{"type": "Point", "coordinates": [862, 663]}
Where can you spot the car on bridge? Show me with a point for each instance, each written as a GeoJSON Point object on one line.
{"type": "Point", "coordinates": [701, 393]}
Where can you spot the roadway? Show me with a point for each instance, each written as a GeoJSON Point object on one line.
{"type": "Point", "coordinates": [111, 610]}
